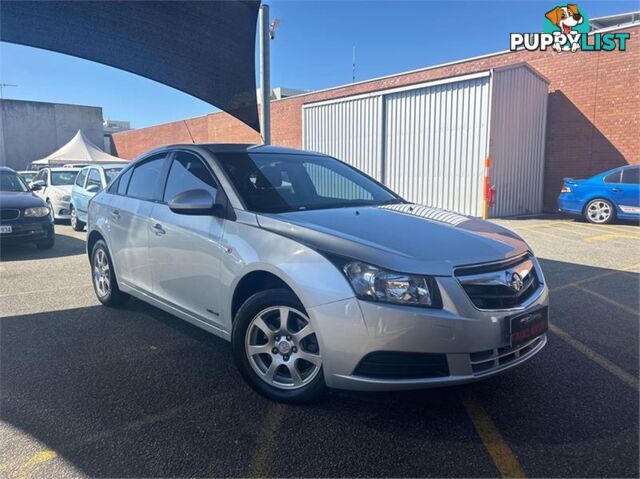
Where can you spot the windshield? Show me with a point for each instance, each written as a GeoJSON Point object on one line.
{"type": "Point", "coordinates": [28, 176]}
{"type": "Point", "coordinates": [111, 173]}
{"type": "Point", "coordinates": [61, 178]}
{"type": "Point", "coordinates": [272, 183]}
{"type": "Point", "coordinates": [11, 182]}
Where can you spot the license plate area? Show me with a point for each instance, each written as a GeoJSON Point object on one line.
{"type": "Point", "coordinates": [527, 326]}
{"type": "Point", "coordinates": [6, 229]}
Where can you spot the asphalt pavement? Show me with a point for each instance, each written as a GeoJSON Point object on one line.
{"type": "Point", "coordinates": [135, 392]}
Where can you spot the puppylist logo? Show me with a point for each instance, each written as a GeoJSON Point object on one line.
{"type": "Point", "coordinates": [566, 28]}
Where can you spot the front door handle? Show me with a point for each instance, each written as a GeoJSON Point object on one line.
{"type": "Point", "coordinates": [617, 190]}
{"type": "Point", "coordinates": [115, 214]}
{"type": "Point", "coordinates": [159, 230]}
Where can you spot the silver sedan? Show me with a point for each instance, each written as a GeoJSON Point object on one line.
{"type": "Point", "coordinates": [317, 274]}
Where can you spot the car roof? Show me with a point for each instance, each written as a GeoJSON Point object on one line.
{"type": "Point", "coordinates": [105, 165]}
{"type": "Point", "coordinates": [241, 148]}
{"type": "Point", "coordinates": [63, 168]}
{"type": "Point", "coordinates": [6, 169]}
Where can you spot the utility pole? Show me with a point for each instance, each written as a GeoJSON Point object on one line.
{"type": "Point", "coordinates": [265, 74]}
{"type": "Point", "coordinates": [2, 87]}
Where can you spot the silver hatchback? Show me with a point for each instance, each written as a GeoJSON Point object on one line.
{"type": "Point", "coordinates": [317, 274]}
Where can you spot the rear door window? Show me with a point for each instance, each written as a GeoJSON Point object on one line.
{"type": "Point", "coordinates": [631, 176]}
{"type": "Point", "coordinates": [146, 178]}
{"type": "Point", "coordinates": [613, 177]}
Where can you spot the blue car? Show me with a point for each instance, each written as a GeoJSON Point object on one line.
{"type": "Point", "coordinates": [603, 197]}
{"type": "Point", "coordinates": [90, 180]}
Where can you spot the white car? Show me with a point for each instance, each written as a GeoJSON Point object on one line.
{"type": "Point", "coordinates": [54, 186]}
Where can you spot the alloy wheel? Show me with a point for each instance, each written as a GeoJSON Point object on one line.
{"type": "Point", "coordinates": [101, 273]}
{"type": "Point", "coordinates": [74, 218]}
{"type": "Point", "coordinates": [599, 211]}
{"type": "Point", "coordinates": [282, 347]}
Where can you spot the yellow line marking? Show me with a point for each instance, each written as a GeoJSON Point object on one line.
{"type": "Point", "coordinates": [601, 297]}
{"type": "Point", "coordinates": [625, 270]}
{"type": "Point", "coordinates": [624, 376]}
{"type": "Point", "coordinates": [610, 236]}
{"type": "Point", "coordinates": [500, 452]}
{"type": "Point", "coordinates": [605, 228]}
{"type": "Point", "coordinates": [27, 468]}
{"type": "Point", "coordinates": [259, 466]}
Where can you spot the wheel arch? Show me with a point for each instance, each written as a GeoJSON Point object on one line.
{"type": "Point", "coordinates": [92, 238]}
{"type": "Point", "coordinates": [254, 282]}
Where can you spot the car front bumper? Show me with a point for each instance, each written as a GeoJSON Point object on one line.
{"type": "Point", "coordinates": [61, 209]}
{"type": "Point", "coordinates": [26, 231]}
{"type": "Point", "coordinates": [473, 344]}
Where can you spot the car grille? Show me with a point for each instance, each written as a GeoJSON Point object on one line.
{"type": "Point", "coordinates": [492, 286]}
{"type": "Point", "coordinates": [486, 361]}
{"type": "Point", "coordinates": [401, 365]}
{"type": "Point", "coordinates": [9, 214]}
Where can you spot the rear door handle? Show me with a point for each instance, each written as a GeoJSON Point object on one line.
{"type": "Point", "coordinates": [159, 229]}
{"type": "Point", "coordinates": [617, 190]}
{"type": "Point", "coordinates": [115, 214]}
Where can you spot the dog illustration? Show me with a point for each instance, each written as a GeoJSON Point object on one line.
{"type": "Point", "coordinates": [565, 18]}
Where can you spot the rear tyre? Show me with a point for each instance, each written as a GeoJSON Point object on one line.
{"type": "Point", "coordinates": [276, 349]}
{"type": "Point", "coordinates": [76, 224]}
{"type": "Point", "coordinates": [104, 279]}
{"type": "Point", "coordinates": [46, 244]}
{"type": "Point", "coordinates": [599, 211]}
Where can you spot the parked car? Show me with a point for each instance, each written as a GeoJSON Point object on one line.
{"type": "Point", "coordinates": [317, 274]}
{"type": "Point", "coordinates": [54, 185]}
{"type": "Point", "coordinates": [28, 176]}
{"type": "Point", "coordinates": [603, 197]}
{"type": "Point", "coordinates": [23, 216]}
{"type": "Point", "coordinates": [90, 180]}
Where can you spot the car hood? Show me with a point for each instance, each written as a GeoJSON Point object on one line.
{"type": "Point", "coordinates": [406, 238]}
{"type": "Point", "coordinates": [19, 200]}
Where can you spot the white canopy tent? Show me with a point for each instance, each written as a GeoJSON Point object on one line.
{"type": "Point", "coordinates": [79, 150]}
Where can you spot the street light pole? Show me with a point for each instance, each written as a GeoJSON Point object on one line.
{"type": "Point", "coordinates": [265, 74]}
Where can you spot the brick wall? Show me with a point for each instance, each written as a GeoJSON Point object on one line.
{"type": "Point", "coordinates": [593, 117]}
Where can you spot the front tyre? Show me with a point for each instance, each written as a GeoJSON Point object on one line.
{"type": "Point", "coordinates": [599, 211]}
{"type": "Point", "coordinates": [105, 284]}
{"type": "Point", "coordinates": [276, 349]}
{"type": "Point", "coordinates": [76, 224]}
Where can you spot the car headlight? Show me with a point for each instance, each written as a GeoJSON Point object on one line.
{"type": "Point", "coordinates": [37, 212]}
{"type": "Point", "coordinates": [62, 196]}
{"type": "Point", "coordinates": [374, 284]}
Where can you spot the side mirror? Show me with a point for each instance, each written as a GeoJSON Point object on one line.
{"type": "Point", "coordinates": [93, 189]}
{"type": "Point", "coordinates": [37, 185]}
{"type": "Point", "coordinates": [196, 202]}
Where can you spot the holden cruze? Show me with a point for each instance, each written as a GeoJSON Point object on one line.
{"type": "Point", "coordinates": [317, 274]}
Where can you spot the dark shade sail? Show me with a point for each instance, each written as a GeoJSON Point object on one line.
{"type": "Point", "coordinates": [203, 48]}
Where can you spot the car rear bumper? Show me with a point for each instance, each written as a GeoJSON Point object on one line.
{"type": "Point", "coordinates": [568, 204]}
{"type": "Point", "coordinates": [444, 347]}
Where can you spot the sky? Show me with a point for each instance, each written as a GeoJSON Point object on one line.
{"type": "Point", "coordinates": [312, 50]}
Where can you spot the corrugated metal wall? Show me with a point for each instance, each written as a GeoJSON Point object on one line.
{"type": "Point", "coordinates": [436, 140]}
{"type": "Point", "coordinates": [429, 142]}
{"type": "Point", "coordinates": [519, 118]}
{"type": "Point", "coordinates": [348, 130]}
